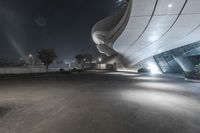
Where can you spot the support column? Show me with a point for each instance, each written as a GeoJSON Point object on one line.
{"type": "Point", "coordinates": [185, 63]}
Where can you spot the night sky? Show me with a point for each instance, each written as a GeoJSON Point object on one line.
{"type": "Point", "coordinates": [26, 26]}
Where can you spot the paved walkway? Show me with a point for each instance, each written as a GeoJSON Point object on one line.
{"type": "Point", "coordinates": [99, 103]}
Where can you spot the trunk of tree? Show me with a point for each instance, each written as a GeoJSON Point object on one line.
{"type": "Point", "coordinates": [82, 65]}
{"type": "Point", "coordinates": [47, 67]}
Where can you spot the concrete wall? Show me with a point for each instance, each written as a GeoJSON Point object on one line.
{"type": "Point", "coordinates": [21, 70]}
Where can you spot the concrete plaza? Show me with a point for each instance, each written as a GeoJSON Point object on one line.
{"type": "Point", "coordinates": [99, 103]}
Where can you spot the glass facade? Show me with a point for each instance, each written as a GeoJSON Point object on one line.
{"type": "Point", "coordinates": [167, 63]}
{"type": "Point", "coordinates": [119, 4]}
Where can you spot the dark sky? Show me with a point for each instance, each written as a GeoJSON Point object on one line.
{"type": "Point", "coordinates": [26, 26]}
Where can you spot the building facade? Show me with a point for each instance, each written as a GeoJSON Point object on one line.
{"type": "Point", "coordinates": [165, 33]}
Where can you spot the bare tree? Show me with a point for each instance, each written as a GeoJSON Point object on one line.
{"type": "Point", "coordinates": [83, 59]}
{"type": "Point", "coordinates": [47, 56]}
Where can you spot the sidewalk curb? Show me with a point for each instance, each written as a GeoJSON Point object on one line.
{"type": "Point", "coordinates": [192, 80]}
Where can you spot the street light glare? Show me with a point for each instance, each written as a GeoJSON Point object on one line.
{"type": "Point", "coordinates": [170, 5]}
{"type": "Point", "coordinates": [30, 55]}
{"type": "Point", "coordinates": [100, 59]}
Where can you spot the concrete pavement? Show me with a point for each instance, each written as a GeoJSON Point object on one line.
{"type": "Point", "coordinates": [99, 103]}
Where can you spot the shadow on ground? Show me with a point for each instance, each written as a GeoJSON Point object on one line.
{"type": "Point", "coordinates": [4, 111]}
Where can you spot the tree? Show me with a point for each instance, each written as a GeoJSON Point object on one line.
{"type": "Point", "coordinates": [47, 56]}
{"type": "Point", "coordinates": [83, 59]}
{"type": "Point", "coordinates": [197, 68]}
{"type": "Point", "coordinates": [88, 58]}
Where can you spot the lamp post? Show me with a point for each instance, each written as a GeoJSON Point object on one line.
{"type": "Point", "coordinates": [31, 59]}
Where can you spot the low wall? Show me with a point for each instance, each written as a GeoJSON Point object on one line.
{"type": "Point", "coordinates": [105, 67]}
{"type": "Point", "coordinates": [21, 70]}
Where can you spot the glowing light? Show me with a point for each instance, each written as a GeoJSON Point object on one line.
{"type": "Point", "coordinates": [30, 55]}
{"type": "Point", "coordinates": [170, 5]}
{"type": "Point", "coordinates": [149, 79]}
{"type": "Point", "coordinates": [153, 68]}
{"type": "Point", "coordinates": [100, 59]}
{"type": "Point", "coordinates": [122, 73]}
{"type": "Point", "coordinates": [153, 38]}
{"type": "Point", "coordinates": [126, 70]}
{"type": "Point", "coordinates": [162, 101]}
{"type": "Point", "coordinates": [15, 45]}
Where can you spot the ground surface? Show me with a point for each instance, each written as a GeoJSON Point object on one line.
{"type": "Point", "coordinates": [99, 103]}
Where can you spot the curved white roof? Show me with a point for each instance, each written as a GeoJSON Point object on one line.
{"type": "Point", "coordinates": [156, 26]}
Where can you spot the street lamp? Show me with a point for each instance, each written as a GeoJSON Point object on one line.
{"type": "Point", "coordinates": [31, 59]}
{"type": "Point", "coordinates": [30, 55]}
{"type": "Point", "coordinates": [100, 59]}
